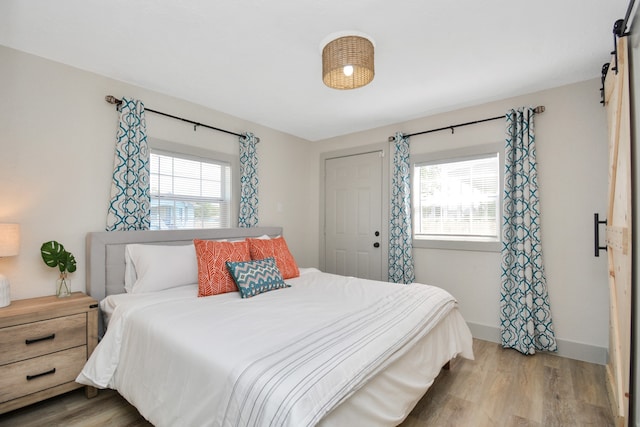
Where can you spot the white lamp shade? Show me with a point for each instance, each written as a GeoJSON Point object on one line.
{"type": "Point", "coordinates": [9, 239]}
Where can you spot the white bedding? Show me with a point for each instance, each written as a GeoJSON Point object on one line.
{"type": "Point", "coordinates": [286, 357]}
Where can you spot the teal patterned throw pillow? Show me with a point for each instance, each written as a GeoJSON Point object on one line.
{"type": "Point", "coordinates": [256, 277]}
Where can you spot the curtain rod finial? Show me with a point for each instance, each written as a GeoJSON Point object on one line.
{"type": "Point", "coordinates": [539, 109]}
{"type": "Point", "coordinates": [112, 99]}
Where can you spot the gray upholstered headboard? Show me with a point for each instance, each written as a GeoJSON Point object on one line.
{"type": "Point", "coordinates": [105, 251]}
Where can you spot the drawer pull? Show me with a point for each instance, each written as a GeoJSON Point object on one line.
{"type": "Point", "coordinates": [35, 340]}
{"type": "Point", "coordinates": [31, 377]}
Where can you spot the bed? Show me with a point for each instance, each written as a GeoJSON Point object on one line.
{"type": "Point", "coordinates": [319, 350]}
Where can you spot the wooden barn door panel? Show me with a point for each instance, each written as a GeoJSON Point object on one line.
{"type": "Point", "coordinates": [618, 238]}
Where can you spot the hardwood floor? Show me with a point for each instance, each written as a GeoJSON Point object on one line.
{"type": "Point", "coordinates": [500, 388]}
{"type": "Point", "coordinates": [505, 388]}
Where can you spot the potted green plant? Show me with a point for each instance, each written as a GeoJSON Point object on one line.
{"type": "Point", "coordinates": [55, 255]}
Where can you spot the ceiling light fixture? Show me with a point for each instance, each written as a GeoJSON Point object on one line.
{"type": "Point", "coordinates": [347, 62]}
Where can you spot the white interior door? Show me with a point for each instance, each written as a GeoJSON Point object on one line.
{"type": "Point", "coordinates": [619, 217]}
{"type": "Point", "coordinates": [353, 215]}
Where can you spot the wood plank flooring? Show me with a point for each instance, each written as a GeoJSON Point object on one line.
{"type": "Point", "coordinates": [500, 388]}
{"type": "Point", "coordinates": [505, 388]}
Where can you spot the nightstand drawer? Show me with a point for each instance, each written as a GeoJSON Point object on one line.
{"type": "Point", "coordinates": [37, 338]}
{"type": "Point", "coordinates": [29, 376]}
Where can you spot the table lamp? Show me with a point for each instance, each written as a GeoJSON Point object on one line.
{"type": "Point", "coordinates": [9, 246]}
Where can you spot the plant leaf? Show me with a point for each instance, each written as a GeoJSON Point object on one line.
{"type": "Point", "coordinates": [51, 253]}
{"type": "Point", "coordinates": [54, 255]}
{"type": "Point", "coordinates": [69, 262]}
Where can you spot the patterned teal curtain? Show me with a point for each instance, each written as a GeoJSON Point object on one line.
{"type": "Point", "coordinates": [400, 235]}
{"type": "Point", "coordinates": [248, 181]}
{"type": "Point", "coordinates": [129, 205]}
{"type": "Point", "coordinates": [525, 313]}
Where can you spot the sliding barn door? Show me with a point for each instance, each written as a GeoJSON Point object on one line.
{"type": "Point", "coordinates": [619, 233]}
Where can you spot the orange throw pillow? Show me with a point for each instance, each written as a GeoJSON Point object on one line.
{"type": "Point", "coordinates": [277, 248]}
{"type": "Point", "coordinates": [213, 275]}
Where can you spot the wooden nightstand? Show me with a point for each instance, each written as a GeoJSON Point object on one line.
{"type": "Point", "coordinates": [44, 343]}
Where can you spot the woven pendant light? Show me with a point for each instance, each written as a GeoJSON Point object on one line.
{"type": "Point", "coordinates": [347, 62]}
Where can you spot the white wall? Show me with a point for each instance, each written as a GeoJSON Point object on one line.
{"type": "Point", "coordinates": [57, 138]}
{"type": "Point", "coordinates": [572, 158]}
{"type": "Point", "coordinates": [56, 153]}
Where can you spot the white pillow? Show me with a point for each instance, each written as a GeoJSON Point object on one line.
{"type": "Point", "coordinates": [159, 267]}
{"type": "Point", "coordinates": [129, 270]}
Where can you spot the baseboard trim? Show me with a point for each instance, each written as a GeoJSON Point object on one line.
{"type": "Point", "coordinates": [569, 349]}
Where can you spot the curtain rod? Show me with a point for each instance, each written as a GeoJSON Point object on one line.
{"type": "Point", "coordinates": [539, 109]}
{"type": "Point", "coordinates": [113, 100]}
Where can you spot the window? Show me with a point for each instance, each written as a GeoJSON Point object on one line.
{"type": "Point", "coordinates": [189, 191]}
{"type": "Point", "coordinates": [456, 199]}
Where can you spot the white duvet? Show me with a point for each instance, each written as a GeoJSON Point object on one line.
{"type": "Point", "coordinates": [284, 358]}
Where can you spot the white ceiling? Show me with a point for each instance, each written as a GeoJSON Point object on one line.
{"type": "Point", "coordinates": [260, 60]}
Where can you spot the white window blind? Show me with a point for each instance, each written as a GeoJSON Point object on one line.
{"type": "Point", "coordinates": [189, 192]}
{"type": "Point", "coordinates": [458, 199]}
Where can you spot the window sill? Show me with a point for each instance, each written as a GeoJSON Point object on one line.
{"type": "Point", "coordinates": [458, 245]}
